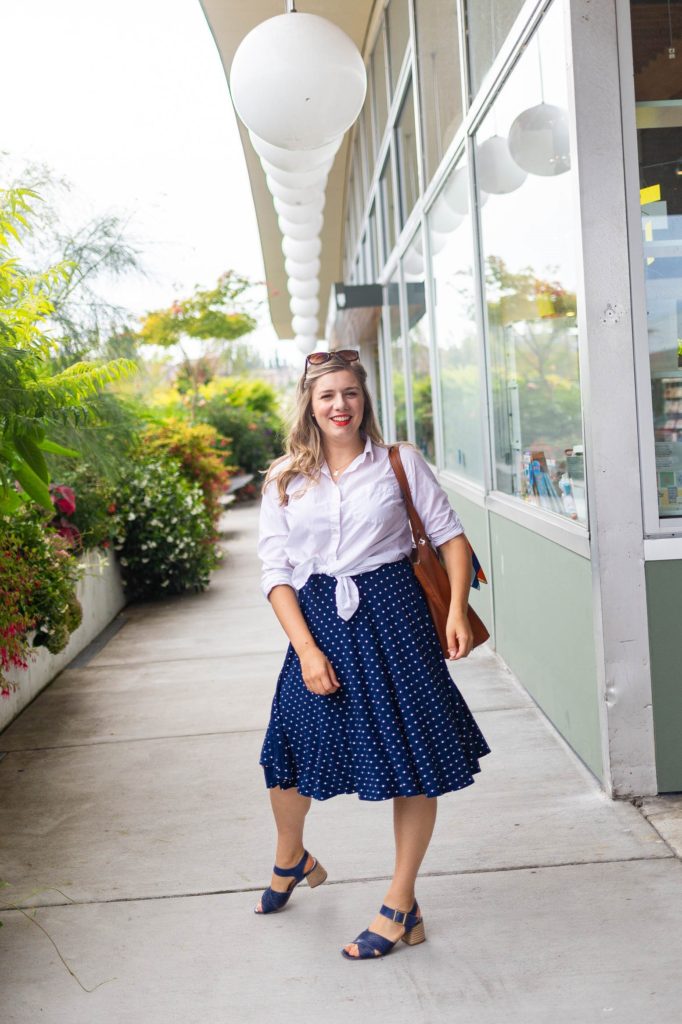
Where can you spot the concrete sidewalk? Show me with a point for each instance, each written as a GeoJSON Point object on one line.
{"type": "Point", "coordinates": [136, 835]}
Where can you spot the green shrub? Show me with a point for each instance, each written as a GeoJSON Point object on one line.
{"type": "Point", "coordinates": [201, 453]}
{"type": "Point", "coordinates": [256, 438]}
{"type": "Point", "coordinates": [165, 537]}
{"type": "Point", "coordinates": [250, 393]}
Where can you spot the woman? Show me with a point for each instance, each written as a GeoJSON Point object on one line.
{"type": "Point", "coordinates": [364, 703]}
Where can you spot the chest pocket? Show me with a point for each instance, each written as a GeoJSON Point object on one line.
{"type": "Point", "coordinates": [374, 503]}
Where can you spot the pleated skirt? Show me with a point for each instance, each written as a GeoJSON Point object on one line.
{"type": "Point", "coordinates": [398, 725]}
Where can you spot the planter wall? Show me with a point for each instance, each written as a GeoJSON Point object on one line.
{"type": "Point", "coordinates": [101, 594]}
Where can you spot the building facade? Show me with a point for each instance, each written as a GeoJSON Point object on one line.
{"type": "Point", "coordinates": [508, 251]}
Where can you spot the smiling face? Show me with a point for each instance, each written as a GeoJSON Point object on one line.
{"type": "Point", "coordinates": [338, 405]}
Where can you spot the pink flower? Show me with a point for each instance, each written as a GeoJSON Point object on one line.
{"type": "Point", "coordinates": [64, 499]}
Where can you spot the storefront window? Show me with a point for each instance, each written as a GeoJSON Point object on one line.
{"type": "Point", "coordinates": [488, 25]}
{"type": "Point", "coordinates": [375, 256]}
{"type": "Point", "coordinates": [352, 211]}
{"type": "Point", "coordinates": [452, 261]}
{"type": "Point", "coordinates": [359, 170]}
{"type": "Point", "coordinates": [656, 28]}
{"type": "Point", "coordinates": [392, 300]}
{"type": "Point", "coordinates": [388, 206]}
{"type": "Point", "coordinates": [418, 342]}
{"type": "Point", "coordinates": [406, 148]}
{"type": "Point", "coordinates": [439, 76]}
{"type": "Point", "coordinates": [379, 83]}
{"type": "Point", "coordinates": [398, 18]}
{"type": "Point", "coordinates": [368, 139]}
{"type": "Point", "coordinates": [528, 217]}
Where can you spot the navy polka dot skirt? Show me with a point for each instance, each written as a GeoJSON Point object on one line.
{"type": "Point", "coordinates": [398, 725]}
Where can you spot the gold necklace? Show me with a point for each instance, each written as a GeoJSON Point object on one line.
{"type": "Point", "coordinates": [335, 472]}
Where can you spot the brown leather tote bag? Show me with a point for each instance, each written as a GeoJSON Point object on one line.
{"type": "Point", "coordinates": [428, 567]}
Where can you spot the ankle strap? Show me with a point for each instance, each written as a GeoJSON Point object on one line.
{"type": "Point", "coordinates": [407, 917]}
{"type": "Point", "coordinates": [297, 872]}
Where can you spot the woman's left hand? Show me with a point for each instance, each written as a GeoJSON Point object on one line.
{"type": "Point", "coordinates": [459, 635]}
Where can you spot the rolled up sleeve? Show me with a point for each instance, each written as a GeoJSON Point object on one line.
{"type": "Point", "coordinates": [273, 533]}
{"type": "Point", "coordinates": [441, 522]}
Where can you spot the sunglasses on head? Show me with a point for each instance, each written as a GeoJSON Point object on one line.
{"type": "Point", "coordinates": [348, 355]}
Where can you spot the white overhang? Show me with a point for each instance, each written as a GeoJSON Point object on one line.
{"type": "Point", "coordinates": [230, 21]}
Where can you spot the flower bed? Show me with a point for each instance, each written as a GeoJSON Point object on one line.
{"type": "Point", "coordinates": [100, 593]}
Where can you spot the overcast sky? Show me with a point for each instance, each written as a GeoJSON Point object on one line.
{"type": "Point", "coordinates": [129, 101]}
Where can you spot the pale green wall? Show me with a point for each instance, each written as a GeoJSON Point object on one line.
{"type": "Point", "coordinates": [664, 593]}
{"type": "Point", "coordinates": [543, 622]}
{"type": "Point", "coordinates": [544, 631]}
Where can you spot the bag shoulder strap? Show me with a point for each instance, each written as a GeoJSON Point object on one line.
{"type": "Point", "coordinates": [418, 532]}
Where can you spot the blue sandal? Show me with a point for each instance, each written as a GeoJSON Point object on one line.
{"type": "Point", "coordinates": [372, 946]}
{"type": "Point", "coordinates": [271, 900]}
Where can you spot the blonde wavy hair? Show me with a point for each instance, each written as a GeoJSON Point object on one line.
{"type": "Point", "coordinates": [303, 444]}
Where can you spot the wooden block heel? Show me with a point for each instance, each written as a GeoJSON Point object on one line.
{"type": "Point", "coordinates": [273, 900]}
{"type": "Point", "coordinates": [415, 935]}
{"type": "Point", "coordinates": [316, 876]}
{"type": "Point", "coordinates": [372, 946]}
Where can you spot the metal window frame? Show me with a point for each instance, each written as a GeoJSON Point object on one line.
{"type": "Point", "coordinates": [550, 525]}
{"type": "Point", "coordinates": [655, 525]}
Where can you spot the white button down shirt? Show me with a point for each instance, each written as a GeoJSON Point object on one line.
{"type": "Point", "coordinates": [350, 526]}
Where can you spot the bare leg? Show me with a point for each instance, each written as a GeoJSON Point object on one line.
{"type": "Point", "coordinates": [289, 809]}
{"type": "Point", "coordinates": [413, 820]}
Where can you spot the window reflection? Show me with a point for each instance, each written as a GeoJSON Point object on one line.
{"type": "Point", "coordinates": [379, 81]}
{"type": "Point", "coordinates": [488, 25]}
{"type": "Point", "coordinates": [530, 280]}
{"type": "Point", "coordinates": [398, 19]}
{"type": "Point", "coordinates": [392, 300]}
{"type": "Point", "coordinates": [439, 76]}
{"type": "Point", "coordinates": [387, 206]}
{"type": "Point", "coordinates": [367, 123]}
{"type": "Point", "coordinates": [659, 139]}
{"type": "Point", "coordinates": [406, 147]}
{"type": "Point", "coordinates": [452, 260]}
{"type": "Point", "coordinates": [418, 342]}
{"type": "Point", "coordinates": [375, 255]}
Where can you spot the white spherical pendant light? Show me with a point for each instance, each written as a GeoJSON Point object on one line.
{"type": "Point", "coordinates": [456, 192]}
{"type": "Point", "coordinates": [299, 214]}
{"type": "Point", "coordinates": [298, 81]}
{"type": "Point", "coordinates": [539, 140]}
{"type": "Point", "coordinates": [295, 196]}
{"type": "Point", "coordinates": [316, 178]}
{"type": "Point", "coordinates": [301, 232]}
{"type": "Point", "coordinates": [303, 289]}
{"type": "Point", "coordinates": [304, 324]}
{"type": "Point", "coordinates": [303, 271]}
{"type": "Point", "coordinates": [442, 217]}
{"type": "Point", "coordinates": [304, 307]}
{"type": "Point", "coordinates": [498, 172]}
{"type": "Point", "coordinates": [413, 264]}
{"type": "Point", "coordinates": [301, 251]}
{"type": "Point", "coordinates": [306, 343]}
{"type": "Point", "coordinates": [295, 159]}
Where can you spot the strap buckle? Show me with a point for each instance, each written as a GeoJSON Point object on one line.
{"type": "Point", "coordinates": [399, 916]}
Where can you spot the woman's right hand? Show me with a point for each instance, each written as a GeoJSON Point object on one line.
{"type": "Point", "coordinates": [317, 671]}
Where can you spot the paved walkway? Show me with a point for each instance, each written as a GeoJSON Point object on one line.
{"type": "Point", "coordinates": [136, 834]}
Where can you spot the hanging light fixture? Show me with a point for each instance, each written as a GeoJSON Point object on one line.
{"type": "Point", "coordinates": [539, 140]}
{"type": "Point", "coordinates": [498, 172]}
{"type": "Point", "coordinates": [539, 137]}
{"type": "Point", "coordinates": [298, 83]}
